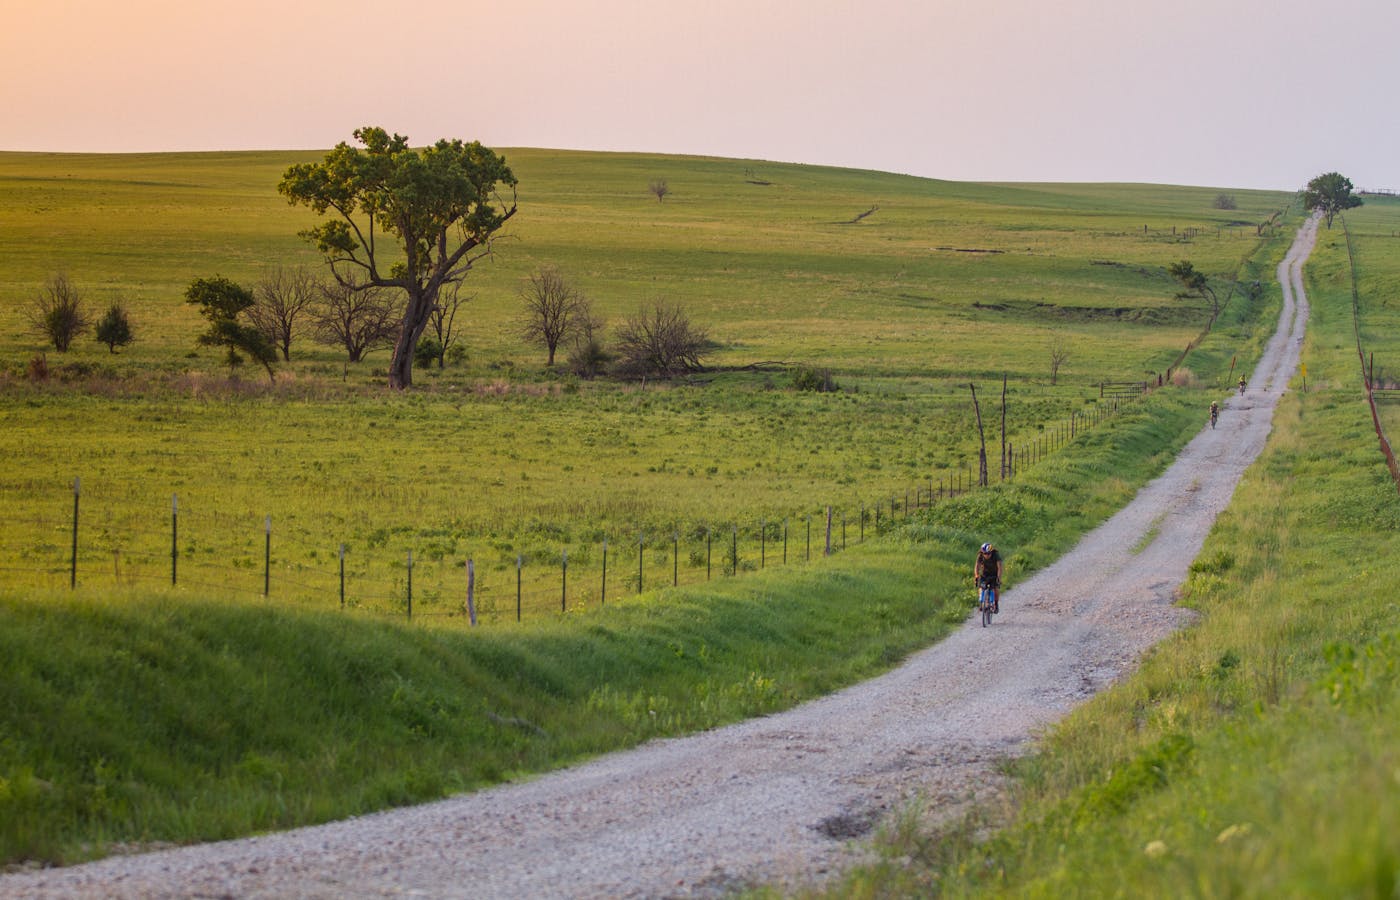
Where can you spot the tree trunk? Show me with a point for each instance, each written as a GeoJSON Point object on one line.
{"type": "Point", "coordinates": [421, 301]}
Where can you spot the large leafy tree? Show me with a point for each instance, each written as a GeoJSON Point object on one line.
{"type": "Point", "coordinates": [1331, 193]}
{"type": "Point", "coordinates": [442, 205]}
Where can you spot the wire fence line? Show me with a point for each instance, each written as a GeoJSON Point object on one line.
{"type": "Point", "coordinates": [214, 552]}
{"type": "Point", "coordinates": [1368, 365]}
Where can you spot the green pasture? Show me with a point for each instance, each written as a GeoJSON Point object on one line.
{"type": "Point", "coordinates": [1254, 754]}
{"type": "Point", "coordinates": [498, 461]}
{"type": "Point", "coordinates": [134, 718]}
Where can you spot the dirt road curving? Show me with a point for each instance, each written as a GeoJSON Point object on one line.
{"type": "Point", "coordinates": [774, 799]}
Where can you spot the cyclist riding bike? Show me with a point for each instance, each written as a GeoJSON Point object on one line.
{"type": "Point", "coordinates": [1241, 385]}
{"type": "Point", "coordinates": [987, 573]}
{"type": "Point", "coordinates": [1214, 412]}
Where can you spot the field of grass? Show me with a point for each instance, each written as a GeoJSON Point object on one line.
{"type": "Point", "coordinates": [133, 717]}
{"type": "Point", "coordinates": [1254, 754]}
{"type": "Point", "coordinates": [496, 460]}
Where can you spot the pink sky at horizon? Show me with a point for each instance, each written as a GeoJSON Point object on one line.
{"type": "Point", "coordinates": [1228, 93]}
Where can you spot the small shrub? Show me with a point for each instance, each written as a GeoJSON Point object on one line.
{"type": "Point", "coordinates": [1225, 201]}
{"type": "Point", "coordinates": [818, 380]}
{"type": "Point", "coordinates": [1183, 377]}
{"type": "Point", "coordinates": [114, 328]}
{"type": "Point", "coordinates": [57, 314]}
{"type": "Point", "coordinates": [39, 368]}
{"type": "Point", "coordinates": [427, 352]}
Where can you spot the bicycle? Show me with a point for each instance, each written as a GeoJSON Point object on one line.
{"type": "Point", "coordinates": [986, 600]}
{"type": "Point", "coordinates": [1214, 415]}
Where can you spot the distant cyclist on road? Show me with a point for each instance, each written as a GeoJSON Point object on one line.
{"type": "Point", "coordinates": [1214, 412]}
{"type": "Point", "coordinates": [987, 573]}
{"type": "Point", "coordinates": [1241, 385]}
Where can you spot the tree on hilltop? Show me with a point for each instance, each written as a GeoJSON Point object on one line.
{"type": "Point", "coordinates": [1331, 193]}
{"type": "Point", "coordinates": [441, 204]}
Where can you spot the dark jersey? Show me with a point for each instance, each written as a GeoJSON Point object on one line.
{"type": "Point", "coordinates": [990, 564]}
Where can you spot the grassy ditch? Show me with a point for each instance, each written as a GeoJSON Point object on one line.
{"type": "Point", "coordinates": [134, 719]}
{"type": "Point", "coordinates": [1255, 753]}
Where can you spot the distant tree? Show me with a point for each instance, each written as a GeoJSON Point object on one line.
{"type": "Point", "coordinates": [440, 203]}
{"type": "Point", "coordinates": [1331, 193]}
{"type": "Point", "coordinates": [1059, 355]}
{"type": "Point", "coordinates": [660, 340]}
{"type": "Point", "coordinates": [443, 324]}
{"type": "Point", "coordinates": [553, 310]}
{"type": "Point", "coordinates": [1196, 283]}
{"type": "Point", "coordinates": [57, 313]}
{"type": "Point", "coordinates": [660, 188]}
{"type": "Point", "coordinates": [221, 302]}
{"type": "Point", "coordinates": [114, 328]}
{"type": "Point", "coordinates": [357, 318]}
{"type": "Point", "coordinates": [283, 303]}
{"type": "Point", "coordinates": [1225, 201]}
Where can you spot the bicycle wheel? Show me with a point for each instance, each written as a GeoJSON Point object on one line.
{"type": "Point", "coordinates": [985, 604]}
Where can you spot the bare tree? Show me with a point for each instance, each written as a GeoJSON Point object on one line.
{"type": "Point", "coordinates": [554, 310]}
{"type": "Point", "coordinates": [1059, 355]}
{"type": "Point", "coordinates": [359, 318]}
{"type": "Point", "coordinates": [442, 321]}
{"type": "Point", "coordinates": [660, 340]}
{"type": "Point", "coordinates": [660, 188]}
{"type": "Point", "coordinates": [57, 314]}
{"type": "Point", "coordinates": [284, 298]}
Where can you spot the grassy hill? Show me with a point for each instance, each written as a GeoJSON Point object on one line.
{"type": "Point", "coordinates": [500, 462]}
{"type": "Point", "coordinates": [143, 712]}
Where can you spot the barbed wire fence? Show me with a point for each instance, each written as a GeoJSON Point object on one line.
{"type": "Point", "coordinates": [173, 546]}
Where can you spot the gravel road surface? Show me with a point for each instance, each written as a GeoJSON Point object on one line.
{"type": "Point", "coordinates": [777, 799]}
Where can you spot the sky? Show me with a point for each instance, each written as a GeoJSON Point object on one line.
{"type": "Point", "coordinates": [1219, 93]}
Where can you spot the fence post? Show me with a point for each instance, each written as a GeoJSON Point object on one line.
{"type": "Point", "coordinates": [641, 543]}
{"type": "Point", "coordinates": [410, 585]}
{"type": "Point", "coordinates": [734, 549]}
{"type": "Point", "coordinates": [267, 557]}
{"type": "Point", "coordinates": [604, 599]}
{"type": "Point", "coordinates": [862, 522]}
{"type": "Point", "coordinates": [828, 527]}
{"type": "Point", "coordinates": [174, 535]}
{"type": "Point", "coordinates": [73, 570]}
{"type": "Point", "coordinates": [707, 552]}
{"type": "Point", "coordinates": [762, 544]}
{"type": "Point", "coordinates": [342, 576]}
{"type": "Point", "coordinates": [676, 558]}
{"type": "Point", "coordinates": [809, 539]}
{"type": "Point", "coordinates": [564, 583]}
{"type": "Point", "coordinates": [471, 591]}
{"type": "Point", "coordinates": [785, 534]}
{"type": "Point", "coordinates": [519, 564]}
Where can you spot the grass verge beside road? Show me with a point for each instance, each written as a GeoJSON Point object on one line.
{"type": "Point", "coordinates": [1255, 753]}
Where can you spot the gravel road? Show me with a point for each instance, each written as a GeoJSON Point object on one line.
{"type": "Point", "coordinates": [776, 799]}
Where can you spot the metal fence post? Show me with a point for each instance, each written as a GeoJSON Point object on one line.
{"type": "Point", "coordinates": [73, 570]}
{"type": "Point", "coordinates": [174, 535]}
{"type": "Point", "coordinates": [267, 557]}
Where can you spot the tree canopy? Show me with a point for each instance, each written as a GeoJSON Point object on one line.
{"type": "Point", "coordinates": [442, 204]}
{"type": "Point", "coordinates": [1331, 193]}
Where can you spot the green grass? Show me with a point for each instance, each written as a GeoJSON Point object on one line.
{"type": "Point", "coordinates": [1254, 753]}
{"type": "Point", "coordinates": [120, 726]}
{"type": "Point", "coordinates": [497, 460]}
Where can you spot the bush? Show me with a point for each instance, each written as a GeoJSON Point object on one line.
{"type": "Point", "coordinates": [1225, 201]}
{"type": "Point", "coordinates": [427, 352]}
{"type": "Point", "coordinates": [660, 340]}
{"type": "Point", "coordinates": [114, 328]}
{"type": "Point", "coordinates": [818, 380]}
{"type": "Point", "coordinates": [57, 313]}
